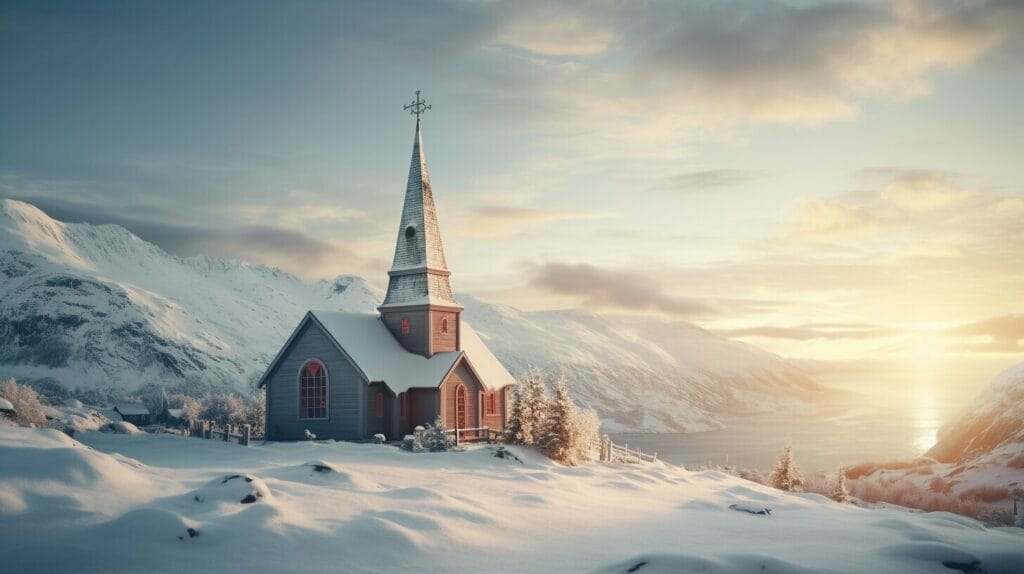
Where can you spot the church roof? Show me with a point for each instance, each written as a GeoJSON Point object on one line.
{"type": "Point", "coordinates": [375, 352]}
{"type": "Point", "coordinates": [419, 270]}
{"type": "Point", "coordinates": [131, 409]}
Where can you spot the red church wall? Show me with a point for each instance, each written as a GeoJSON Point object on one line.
{"type": "Point", "coordinates": [461, 376]}
{"type": "Point", "coordinates": [494, 418]}
{"type": "Point", "coordinates": [444, 341]}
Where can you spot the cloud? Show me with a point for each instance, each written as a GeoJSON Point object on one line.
{"type": "Point", "coordinates": [614, 289]}
{"type": "Point", "coordinates": [707, 180]}
{"type": "Point", "coordinates": [808, 63]}
{"type": "Point", "coordinates": [554, 30]}
{"type": "Point", "coordinates": [1004, 334]}
{"type": "Point", "coordinates": [497, 221]}
{"type": "Point", "coordinates": [810, 331]}
{"type": "Point", "coordinates": [830, 218]}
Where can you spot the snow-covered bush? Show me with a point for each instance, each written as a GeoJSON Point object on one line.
{"type": "Point", "coordinates": [786, 476]}
{"type": "Point", "coordinates": [256, 413]}
{"type": "Point", "coordinates": [223, 409]}
{"type": "Point", "coordinates": [986, 493]}
{"type": "Point", "coordinates": [434, 438]}
{"type": "Point", "coordinates": [309, 435]}
{"type": "Point", "coordinates": [27, 408]}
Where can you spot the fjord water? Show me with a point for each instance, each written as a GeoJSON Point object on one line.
{"type": "Point", "coordinates": [878, 425]}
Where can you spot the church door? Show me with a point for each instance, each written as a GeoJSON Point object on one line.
{"type": "Point", "coordinates": [460, 407]}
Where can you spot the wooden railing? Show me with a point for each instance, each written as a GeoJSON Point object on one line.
{"type": "Point", "coordinates": [477, 434]}
{"type": "Point", "coordinates": [226, 433]}
{"type": "Point", "coordinates": [607, 451]}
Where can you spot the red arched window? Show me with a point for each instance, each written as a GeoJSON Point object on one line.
{"type": "Point", "coordinates": [492, 403]}
{"type": "Point", "coordinates": [444, 325]}
{"type": "Point", "coordinates": [460, 407]}
{"type": "Point", "coordinates": [380, 405]}
{"type": "Point", "coordinates": [406, 326]}
{"type": "Point", "coordinates": [401, 404]}
{"type": "Point", "coordinates": [313, 391]}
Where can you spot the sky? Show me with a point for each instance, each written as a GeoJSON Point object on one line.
{"type": "Point", "coordinates": [837, 182]}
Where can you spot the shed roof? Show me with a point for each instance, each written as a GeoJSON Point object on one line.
{"type": "Point", "coordinates": [5, 405]}
{"type": "Point", "coordinates": [380, 357]}
{"type": "Point", "coordinates": [131, 409]}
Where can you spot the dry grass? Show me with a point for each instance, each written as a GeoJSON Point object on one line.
{"type": "Point", "coordinates": [985, 493]}
{"type": "Point", "coordinates": [1016, 462]}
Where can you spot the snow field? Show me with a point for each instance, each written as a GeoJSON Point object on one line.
{"type": "Point", "coordinates": [126, 503]}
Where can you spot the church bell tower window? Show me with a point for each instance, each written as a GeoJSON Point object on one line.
{"type": "Point", "coordinates": [406, 326]}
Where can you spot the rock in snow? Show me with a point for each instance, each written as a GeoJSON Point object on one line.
{"type": "Point", "coordinates": [96, 306]}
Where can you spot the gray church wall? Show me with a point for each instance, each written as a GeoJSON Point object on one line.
{"type": "Point", "coordinates": [346, 391]}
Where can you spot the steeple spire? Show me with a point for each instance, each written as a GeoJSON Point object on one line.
{"type": "Point", "coordinates": [419, 308]}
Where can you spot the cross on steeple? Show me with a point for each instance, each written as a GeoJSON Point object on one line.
{"type": "Point", "coordinates": [417, 106]}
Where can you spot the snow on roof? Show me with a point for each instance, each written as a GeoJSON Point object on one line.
{"type": "Point", "coordinates": [367, 340]}
{"type": "Point", "coordinates": [5, 405]}
{"type": "Point", "coordinates": [486, 365]}
{"type": "Point", "coordinates": [176, 413]}
{"type": "Point", "coordinates": [131, 409]}
{"type": "Point", "coordinates": [380, 357]}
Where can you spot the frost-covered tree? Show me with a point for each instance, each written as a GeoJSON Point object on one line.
{"type": "Point", "coordinates": [514, 427]}
{"type": "Point", "coordinates": [256, 412]}
{"type": "Point", "coordinates": [191, 408]}
{"type": "Point", "coordinates": [557, 435]}
{"type": "Point", "coordinates": [786, 476]}
{"type": "Point", "coordinates": [586, 428]}
{"type": "Point", "coordinates": [840, 488]}
{"type": "Point", "coordinates": [28, 410]}
{"type": "Point", "coordinates": [223, 409]}
{"type": "Point", "coordinates": [434, 437]}
{"type": "Point", "coordinates": [535, 407]}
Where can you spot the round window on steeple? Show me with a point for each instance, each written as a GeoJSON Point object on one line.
{"type": "Point", "coordinates": [410, 232]}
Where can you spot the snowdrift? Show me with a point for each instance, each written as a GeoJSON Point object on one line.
{"type": "Point", "coordinates": [174, 504]}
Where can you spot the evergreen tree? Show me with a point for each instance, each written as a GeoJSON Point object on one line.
{"type": "Point", "coordinates": [514, 428]}
{"type": "Point", "coordinates": [558, 434]}
{"type": "Point", "coordinates": [840, 488]}
{"type": "Point", "coordinates": [534, 408]}
{"type": "Point", "coordinates": [786, 476]}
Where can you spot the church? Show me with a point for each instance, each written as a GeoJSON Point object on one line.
{"type": "Point", "coordinates": [349, 376]}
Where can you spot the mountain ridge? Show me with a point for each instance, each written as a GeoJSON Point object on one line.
{"type": "Point", "coordinates": [97, 307]}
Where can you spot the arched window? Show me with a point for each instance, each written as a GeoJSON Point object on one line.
{"type": "Point", "coordinates": [460, 407]}
{"type": "Point", "coordinates": [313, 391]}
{"type": "Point", "coordinates": [444, 325]}
{"type": "Point", "coordinates": [492, 403]}
{"type": "Point", "coordinates": [406, 326]}
{"type": "Point", "coordinates": [380, 405]}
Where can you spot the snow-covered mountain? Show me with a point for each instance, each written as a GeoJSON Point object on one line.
{"type": "Point", "coordinates": [97, 307]}
{"type": "Point", "coordinates": [993, 422]}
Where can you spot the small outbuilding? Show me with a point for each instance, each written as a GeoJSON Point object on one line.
{"type": "Point", "coordinates": [6, 408]}
{"type": "Point", "coordinates": [135, 413]}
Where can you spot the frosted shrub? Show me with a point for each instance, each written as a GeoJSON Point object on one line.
{"type": "Point", "coordinates": [256, 413]}
{"type": "Point", "coordinates": [786, 476]}
{"type": "Point", "coordinates": [223, 409]}
{"type": "Point", "coordinates": [985, 493]}
{"type": "Point", "coordinates": [28, 409]}
{"type": "Point", "coordinates": [434, 438]}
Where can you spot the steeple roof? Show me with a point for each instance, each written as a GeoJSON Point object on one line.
{"type": "Point", "coordinates": [419, 272]}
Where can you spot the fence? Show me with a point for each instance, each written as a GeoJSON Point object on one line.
{"type": "Point", "coordinates": [608, 451]}
{"type": "Point", "coordinates": [208, 430]}
{"type": "Point", "coordinates": [476, 435]}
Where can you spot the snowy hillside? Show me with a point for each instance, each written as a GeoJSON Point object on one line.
{"type": "Point", "coordinates": [979, 456]}
{"type": "Point", "coordinates": [97, 307]}
{"type": "Point", "coordinates": [994, 419]}
{"type": "Point", "coordinates": [165, 503]}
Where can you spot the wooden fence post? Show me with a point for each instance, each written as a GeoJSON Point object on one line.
{"type": "Point", "coordinates": [246, 435]}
